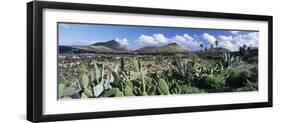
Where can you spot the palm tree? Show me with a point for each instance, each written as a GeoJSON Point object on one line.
{"type": "Point", "coordinates": [242, 50]}
{"type": "Point", "coordinates": [248, 49]}
{"type": "Point", "coordinates": [212, 46]}
{"type": "Point", "coordinates": [217, 43]}
{"type": "Point", "coordinates": [201, 45]}
{"type": "Point", "coordinates": [244, 46]}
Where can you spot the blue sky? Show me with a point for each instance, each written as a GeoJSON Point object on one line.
{"type": "Point", "coordinates": [138, 36]}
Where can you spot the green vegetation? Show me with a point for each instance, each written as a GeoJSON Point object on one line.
{"type": "Point", "coordinates": [147, 75]}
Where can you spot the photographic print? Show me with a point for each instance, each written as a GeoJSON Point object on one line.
{"type": "Point", "coordinates": [103, 60]}
{"type": "Point", "coordinates": [87, 61]}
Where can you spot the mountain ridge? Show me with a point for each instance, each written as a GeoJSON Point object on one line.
{"type": "Point", "coordinates": [168, 48]}
{"type": "Point", "coordinates": [113, 46]}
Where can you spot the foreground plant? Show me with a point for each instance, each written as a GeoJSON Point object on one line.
{"type": "Point", "coordinates": [184, 76]}
{"type": "Point", "coordinates": [229, 60]}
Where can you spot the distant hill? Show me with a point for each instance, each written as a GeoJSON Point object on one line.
{"type": "Point", "coordinates": [219, 49]}
{"type": "Point", "coordinates": [111, 46]}
{"type": "Point", "coordinates": [68, 49]}
{"type": "Point", "coordinates": [211, 53]}
{"type": "Point", "coordinates": [169, 48]}
{"type": "Point", "coordinates": [214, 53]}
{"type": "Point", "coordinates": [93, 49]}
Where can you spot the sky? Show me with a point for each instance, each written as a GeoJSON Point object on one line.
{"type": "Point", "coordinates": [139, 36]}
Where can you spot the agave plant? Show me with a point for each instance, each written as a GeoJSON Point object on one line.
{"type": "Point", "coordinates": [99, 83]}
{"type": "Point", "coordinates": [184, 71]}
{"type": "Point", "coordinates": [92, 83]}
{"type": "Point", "coordinates": [229, 60]}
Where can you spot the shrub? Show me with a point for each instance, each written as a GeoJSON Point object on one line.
{"type": "Point", "coordinates": [213, 81]}
{"type": "Point", "coordinates": [192, 56]}
{"type": "Point", "coordinates": [249, 86]}
{"type": "Point", "coordinates": [191, 90]}
{"type": "Point", "coordinates": [239, 76]}
{"type": "Point", "coordinates": [253, 60]}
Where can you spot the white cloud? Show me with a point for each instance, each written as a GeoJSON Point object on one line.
{"type": "Point", "coordinates": [234, 42]}
{"type": "Point", "coordinates": [249, 39]}
{"type": "Point", "coordinates": [160, 38]}
{"type": "Point", "coordinates": [210, 38]}
{"type": "Point", "coordinates": [231, 42]}
{"type": "Point", "coordinates": [225, 38]}
{"type": "Point", "coordinates": [227, 42]}
{"type": "Point", "coordinates": [147, 40]}
{"type": "Point", "coordinates": [188, 37]}
{"type": "Point", "coordinates": [157, 39]}
{"type": "Point", "coordinates": [123, 41]}
{"type": "Point", "coordinates": [179, 38]}
{"type": "Point", "coordinates": [186, 40]}
{"type": "Point", "coordinates": [234, 32]}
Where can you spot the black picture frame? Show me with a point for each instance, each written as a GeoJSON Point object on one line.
{"type": "Point", "coordinates": [35, 69]}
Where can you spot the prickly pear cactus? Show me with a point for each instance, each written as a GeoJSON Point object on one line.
{"type": "Point", "coordinates": [128, 91]}
{"type": "Point", "coordinates": [61, 90]}
{"type": "Point", "coordinates": [83, 95]}
{"type": "Point", "coordinates": [85, 80]}
{"type": "Point", "coordinates": [151, 90]}
{"type": "Point", "coordinates": [163, 86]}
{"type": "Point", "coordinates": [119, 94]}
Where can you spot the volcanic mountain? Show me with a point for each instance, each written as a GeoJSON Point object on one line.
{"type": "Point", "coordinates": [111, 46]}
{"type": "Point", "coordinates": [169, 48]}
